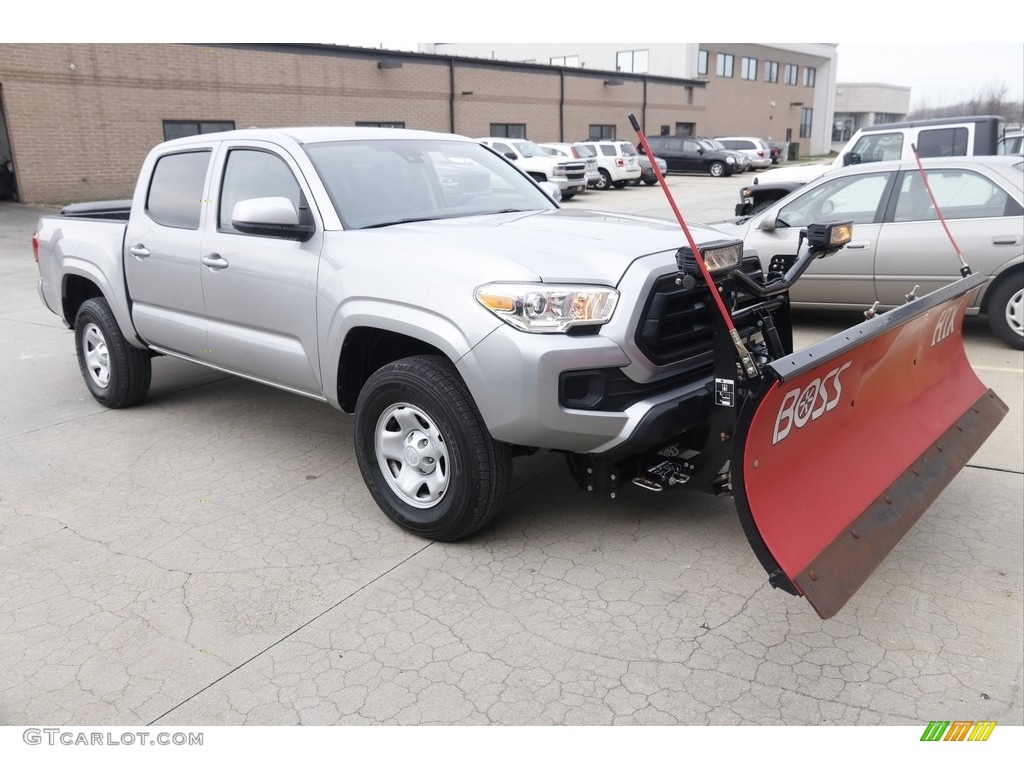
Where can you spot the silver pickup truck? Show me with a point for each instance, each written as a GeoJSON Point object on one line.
{"type": "Point", "coordinates": [425, 284]}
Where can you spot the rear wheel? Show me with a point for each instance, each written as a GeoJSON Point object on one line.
{"type": "Point", "coordinates": [620, 184]}
{"type": "Point", "coordinates": [605, 181]}
{"type": "Point", "coordinates": [1006, 311]}
{"type": "Point", "coordinates": [424, 452]}
{"type": "Point", "coordinates": [116, 373]}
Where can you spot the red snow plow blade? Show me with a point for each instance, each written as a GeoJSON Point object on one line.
{"type": "Point", "coordinates": [850, 440]}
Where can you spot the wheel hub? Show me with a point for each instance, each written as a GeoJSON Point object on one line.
{"type": "Point", "coordinates": [412, 455]}
{"type": "Point", "coordinates": [97, 356]}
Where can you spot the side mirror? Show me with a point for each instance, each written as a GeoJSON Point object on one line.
{"type": "Point", "coordinates": [551, 190]}
{"type": "Point", "coordinates": [510, 155]}
{"type": "Point", "coordinates": [270, 217]}
{"type": "Point", "coordinates": [767, 224]}
{"type": "Point", "coordinates": [851, 158]}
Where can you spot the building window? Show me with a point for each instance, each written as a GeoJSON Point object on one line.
{"type": "Point", "coordinates": [687, 94]}
{"type": "Point", "coordinates": [723, 64]}
{"type": "Point", "coordinates": [809, 76]}
{"type": "Point", "coordinates": [177, 129]}
{"type": "Point", "coordinates": [565, 61]}
{"type": "Point", "coordinates": [806, 115]}
{"type": "Point", "coordinates": [884, 118]}
{"type": "Point", "coordinates": [601, 133]}
{"type": "Point", "coordinates": [379, 124]}
{"type": "Point", "coordinates": [771, 71]}
{"type": "Point", "coordinates": [748, 68]}
{"type": "Point", "coordinates": [631, 61]}
{"type": "Point", "coordinates": [509, 130]}
{"type": "Point", "coordinates": [790, 75]}
{"type": "Point", "coordinates": [702, 62]}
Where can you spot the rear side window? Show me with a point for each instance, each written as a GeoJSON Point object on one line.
{"type": "Point", "coordinates": [176, 189]}
{"type": "Point", "coordinates": [942, 142]}
{"type": "Point", "coordinates": [960, 194]}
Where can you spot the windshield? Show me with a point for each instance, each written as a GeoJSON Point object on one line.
{"type": "Point", "coordinates": [383, 182]}
{"type": "Point", "coordinates": [528, 149]}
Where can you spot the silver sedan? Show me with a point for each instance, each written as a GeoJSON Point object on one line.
{"type": "Point", "coordinates": [899, 240]}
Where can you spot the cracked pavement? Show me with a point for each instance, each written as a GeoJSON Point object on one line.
{"type": "Point", "coordinates": [212, 557]}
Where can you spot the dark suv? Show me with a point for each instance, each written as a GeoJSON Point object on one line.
{"type": "Point", "coordinates": [684, 154]}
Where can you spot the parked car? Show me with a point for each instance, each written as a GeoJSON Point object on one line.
{"type": "Point", "coordinates": [569, 175]}
{"type": "Point", "coordinates": [647, 175]}
{"type": "Point", "coordinates": [684, 154]}
{"type": "Point", "coordinates": [899, 241]}
{"type": "Point", "coordinates": [586, 154]}
{"type": "Point", "coordinates": [742, 161]}
{"type": "Point", "coordinates": [1010, 143]}
{"type": "Point", "coordinates": [757, 150]}
{"type": "Point", "coordinates": [617, 161]}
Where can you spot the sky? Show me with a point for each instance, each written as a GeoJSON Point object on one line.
{"type": "Point", "coordinates": [937, 73]}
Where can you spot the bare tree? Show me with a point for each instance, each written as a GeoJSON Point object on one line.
{"type": "Point", "coordinates": [990, 100]}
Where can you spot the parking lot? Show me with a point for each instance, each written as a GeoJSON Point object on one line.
{"type": "Point", "coordinates": [212, 557]}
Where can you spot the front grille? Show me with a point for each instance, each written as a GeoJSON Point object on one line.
{"type": "Point", "coordinates": [677, 323]}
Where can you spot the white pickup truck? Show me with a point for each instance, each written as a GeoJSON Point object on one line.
{"type": "Point", "coordinates": [430, 287]}
{"type": "Point", "coordinates": [568, 174]}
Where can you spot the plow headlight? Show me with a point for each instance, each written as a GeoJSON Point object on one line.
{"type": "Point", "coordinates": [548, 308]}
{"type": "Point", "coordinates": [719, 256]}
{"type": "Point", "coordinates": [829, 237]}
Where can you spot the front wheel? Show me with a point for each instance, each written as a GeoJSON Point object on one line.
{"type": "Point", "coordinates": [116, 373]}
{"type": "Point", "coordinates": [1006, 311]}
{"type": "Point", "coordinates": [716, 169]}
{"type": "Point", "coordinates": [424, 452]}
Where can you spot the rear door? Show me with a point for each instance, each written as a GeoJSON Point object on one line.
{"type": "Point", "coordinates": [162, 252]}
{"type": "Point", "coordinates": [914, 249]}
{"type": "Point", "coordinates": [260, 291]}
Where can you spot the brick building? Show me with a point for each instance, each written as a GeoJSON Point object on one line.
{"type": "Point", "coordinates": [78, 119]}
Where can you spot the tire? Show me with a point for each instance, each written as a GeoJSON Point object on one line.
{"type": "Point", "coordinates": [424, 452]}
{"type": "Point", "coordinates": [605, 181]}
{"type": "Point", "coordinates": [116, 373]}
{"type": "Point", "coordinates": [716, 169]}
{"type": "Point", "coordinates": [1006, 311]}
{"type": "Point", "coordinates": [568, 195]}
{"type": "Point", "coordinates": [650, 182]}
{"type": "Point", "coordinates": [620, 184]}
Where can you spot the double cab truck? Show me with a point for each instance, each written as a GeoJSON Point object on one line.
{"type": "Point", "coordinates": [429, 287]}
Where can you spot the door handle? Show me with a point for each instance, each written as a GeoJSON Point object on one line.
{"type": "Point", "coordinates": [858, 245]}
{"type": "Point", "coordinates": [139, 250]}
{"type": "Point", "coordinates": [214, 261]}
{"type": "Point", "coordinates": [1005, 240]}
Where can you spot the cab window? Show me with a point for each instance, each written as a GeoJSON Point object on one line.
{"type": "Point", "coordinates": [253, 173]}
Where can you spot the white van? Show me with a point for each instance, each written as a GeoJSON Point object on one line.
{"type": "Point", "coordinates": [937, 137]}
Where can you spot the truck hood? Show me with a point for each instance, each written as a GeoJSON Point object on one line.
{"type": "Point", "coordinates": [556, 246]}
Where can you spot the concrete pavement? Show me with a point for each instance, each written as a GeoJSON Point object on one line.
{"type": "Point", "coordinates": [212, 557]}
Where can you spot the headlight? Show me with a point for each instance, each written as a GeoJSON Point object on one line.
{"type": "Point", "coordinates": [536, 308]}
{"type": "Point", "coordinates": [731, 160]}
{"type": "Point", "coordinates": [558, 171]}
{"type": "Point", "coordinates": [718, 256]}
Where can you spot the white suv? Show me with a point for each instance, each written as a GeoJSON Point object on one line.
{"type": "Point", "coordinates": [617, 161]}
{"type": "Point", "coordinates": [568, 174]}
{"type": "Point", "coordinates": [756, 149]}
{"type": "Point", "coordinates": [587, 155]}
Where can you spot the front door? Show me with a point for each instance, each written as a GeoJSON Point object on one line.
{"type": "Point", "coordinates": [260, 291]}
